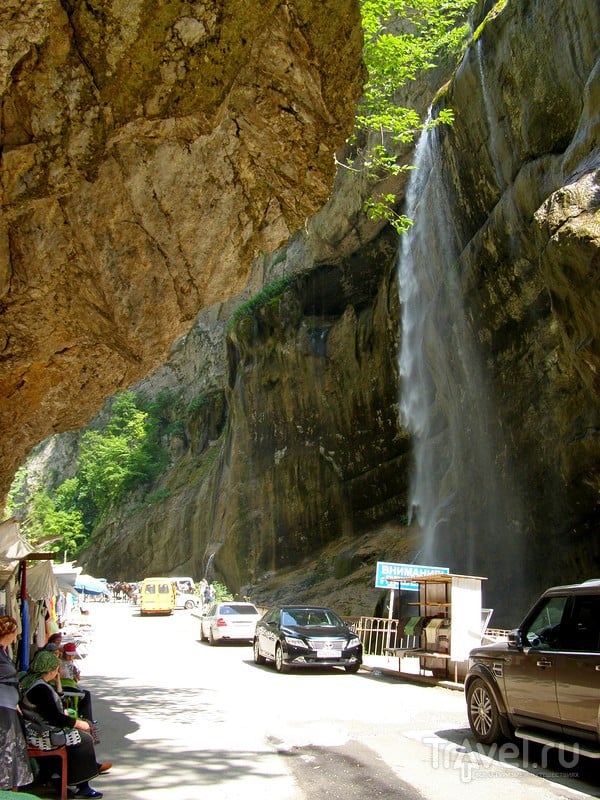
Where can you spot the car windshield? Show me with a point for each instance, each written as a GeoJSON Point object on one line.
{"type": "Point", "coordinates": [238, 608]}
{"type": "Point", "coordinates": [311, 617]}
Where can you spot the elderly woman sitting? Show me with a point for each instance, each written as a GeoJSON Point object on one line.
{"type": "Point", "coordinates": [82, 765]}
{"type": "Point", "coordinates": [14, 763]}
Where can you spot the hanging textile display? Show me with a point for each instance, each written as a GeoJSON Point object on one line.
{"type": "Point", "coordinates": [24, 643]}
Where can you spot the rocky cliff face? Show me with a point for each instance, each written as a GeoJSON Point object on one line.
{"type": "Point", "coordinates": [296, 442]}
{"type": "Point", "coordinates": [521, 169]}
{"type": "Point", "coordinates": [149, 151]}
{"type": "Point", "coordinates": [294, 470]}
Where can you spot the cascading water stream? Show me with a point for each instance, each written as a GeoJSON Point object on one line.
{"type": "Point", "coordinates": [461, 493]}
{"type": "Point", "coordinates": [207, 571]}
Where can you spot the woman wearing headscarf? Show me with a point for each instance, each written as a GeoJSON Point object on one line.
{"type": "Point", "coordinates": [15, 770]}
{"type": "Point", "coordinates": [82, 765]}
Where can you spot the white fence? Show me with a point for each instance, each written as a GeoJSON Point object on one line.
{"type": "Point", "coordinates": [379, 635]}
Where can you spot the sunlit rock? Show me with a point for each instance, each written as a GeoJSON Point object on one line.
{"type": "Point", "coordinates": [149, 151]}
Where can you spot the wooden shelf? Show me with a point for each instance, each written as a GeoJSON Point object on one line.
{"type": "Point", "coordinates": [430, 654]}
{"type": "Point", "coordinates": [433, 603]}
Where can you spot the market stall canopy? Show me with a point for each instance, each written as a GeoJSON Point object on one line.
{"type": "Point", "coordinates": [41, 583]}
{"type": "Point", "coordinates": [65, 585]}
{"type": "Point", "coordinates": [13, 549]}
{"type": "Point", "coordinates": [66, 575]}
{"type": "Point", "coordinates": [87, 584]}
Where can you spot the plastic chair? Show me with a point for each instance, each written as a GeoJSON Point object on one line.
{"type": "Point", "coordinates": [59, 752]}
{"type": "Point", "coordinates": [71, 695]}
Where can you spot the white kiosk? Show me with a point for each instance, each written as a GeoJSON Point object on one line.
{"type": "Point", "coordinates": [450, 622]}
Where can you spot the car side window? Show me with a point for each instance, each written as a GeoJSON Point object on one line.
{"type": "Point", "coordinates": [544, 629]}
{"type": "Point", "coordinates": [582, 632]}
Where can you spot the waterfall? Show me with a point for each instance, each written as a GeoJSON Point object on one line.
{"type": "Point", "coordinates": [207, 571]}
{"type": "Point", "coordinates": [462, 496]}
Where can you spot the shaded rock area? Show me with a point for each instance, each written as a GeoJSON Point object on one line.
{"type": "Point", "coordinates": [528, 228]}
{"type": "Point", "coordinates": [292, 468]}
{"type": "Point", "coordinates": [342, 576]}
{"type": "Point", "coordinates": [295, 442]}
{"type": "Point", "coordinates": [149, 151]}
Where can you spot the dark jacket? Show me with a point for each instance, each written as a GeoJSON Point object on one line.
{"type": "Point", "coordinates": [47, 703]}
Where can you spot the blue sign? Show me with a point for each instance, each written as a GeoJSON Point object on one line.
{"type": "Point", "coordinates": [387, 569]}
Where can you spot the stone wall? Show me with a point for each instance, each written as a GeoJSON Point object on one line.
{"type": "Point", "coordinates": [149, 151]}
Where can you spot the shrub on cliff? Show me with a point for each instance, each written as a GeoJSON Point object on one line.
{"type": "Point", "coordinates": [402, 38]}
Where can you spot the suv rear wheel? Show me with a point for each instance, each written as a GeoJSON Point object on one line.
{"type": "Point", "coordinates": [482, 710]}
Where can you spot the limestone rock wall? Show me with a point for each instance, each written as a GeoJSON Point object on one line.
{"type": "Point", "coordinates": [299, 447]}
{"type": "Point", "coordinates": [522, 167]}
{"type": "Point", "coordinates": [149, 151]}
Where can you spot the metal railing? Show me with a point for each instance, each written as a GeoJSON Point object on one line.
{"type": "Point", "coordinates": [379, 635]}
{"type": "Point", "coordinates": [491, 635]}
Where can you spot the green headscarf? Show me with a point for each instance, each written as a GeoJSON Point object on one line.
{"type": "Point", "coordinates": [42, 662]}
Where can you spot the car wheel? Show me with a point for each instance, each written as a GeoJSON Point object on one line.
{"type": "Point", "coordinates": [211, 638]}
{"type": "Point", "coordinates": [188, 604]}
{"type": "Point", "coordinates": [482, 710]}
{"type": "Point", "coordinates": [202, 636]}
{"type": "Point", "coordinates": [280, 664]}
{"type": "Point", "coordinates": [352, 668]}
{"type": "Point", "coordinates": [258, 659]}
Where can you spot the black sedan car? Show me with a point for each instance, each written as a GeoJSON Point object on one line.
{"type": "Point", "coordinates": [305, 636]}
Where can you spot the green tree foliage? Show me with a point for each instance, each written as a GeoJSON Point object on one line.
{"type": "Point", "coordinates": [122, 457]}
{"type": "Point", "coordinates": [117, 460]}
{"type": "Point", "coordinates": [222, 593]}
{"type": "Point", "coordinates": [402, 38]}
{"type": "Point", "coordinates": [14, 501]}
{"type": "Point", "coordinates": [55, 519]}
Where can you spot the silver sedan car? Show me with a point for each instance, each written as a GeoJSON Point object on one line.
{"type": "Point", "coordinates": [229, 621]}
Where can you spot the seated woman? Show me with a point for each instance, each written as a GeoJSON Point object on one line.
{"type": "Point", "coordinates": [69, 678]}
{"type": "Point", "coordinates": [54, 642]}
{"type": "Point", "coordinates": [82, 765]}
{"type": "Point", "coordinates": [14, 764]}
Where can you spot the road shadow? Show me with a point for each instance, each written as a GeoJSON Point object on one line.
{"type": "Point", "coordinates": [458, 749]}
{"type": "Point", "coordinates": [270, 667]}
{"type": "Point", "coordinates": [224, 643]}
{"type": "Point", "coordinates": [390, 677]}
{"type": "Point", "coordinates": [143, 766]}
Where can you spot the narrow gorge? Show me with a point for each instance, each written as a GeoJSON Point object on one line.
{"type": "Point", "coordinates": [431, 397]}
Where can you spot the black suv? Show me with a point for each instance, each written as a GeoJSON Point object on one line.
{"type": "Point", "coordinates": [543, 684]}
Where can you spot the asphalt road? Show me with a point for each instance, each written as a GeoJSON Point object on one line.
{"type": "Point", "coordinates": [185, 721]}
